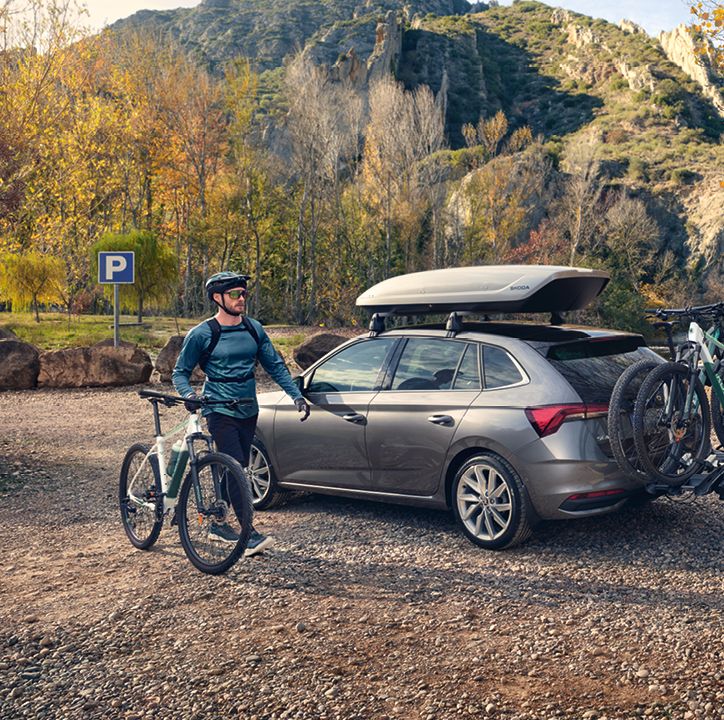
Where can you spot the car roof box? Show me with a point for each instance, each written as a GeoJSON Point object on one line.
{"type": "Point", "coordinates": [487, 289]}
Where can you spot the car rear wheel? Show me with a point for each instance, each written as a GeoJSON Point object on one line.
{"type": "Point", "coordinates": [264, 491]}
{"type": "Point", "coordinates": [490, 503]}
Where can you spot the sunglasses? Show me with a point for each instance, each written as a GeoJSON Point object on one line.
{"type": "Point", "coordinates": [236, 294]}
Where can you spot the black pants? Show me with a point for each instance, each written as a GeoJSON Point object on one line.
{"type": "Point", "coordinates": [233, 437]}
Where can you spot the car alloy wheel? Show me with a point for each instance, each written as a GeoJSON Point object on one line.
{"type": "Point", "coordinates": [264, 491]}
{"type": "Point", "coordinates": [490, 503]}
{"type": "Point", "coordinates": [259, 474]}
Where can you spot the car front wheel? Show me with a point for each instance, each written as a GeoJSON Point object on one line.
{"type": "Point", "coordinates": [264, 491]}
{"type": "Point", "coordinates": [490, 503]}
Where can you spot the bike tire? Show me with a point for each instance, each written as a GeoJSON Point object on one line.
{"type": "Point", "coordinates": [620, 417]}
{"type": "Point", "coordinates": [717, 408]}
{"type": "Point", "coordinates": [194, 522]}
{"type": "Point", "coordinates": [664, 458]}
{"type": "Point", "coordinates": [142, 523]}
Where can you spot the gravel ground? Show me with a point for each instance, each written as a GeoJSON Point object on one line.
{"type": "Point", "coordinates": [360, 611]}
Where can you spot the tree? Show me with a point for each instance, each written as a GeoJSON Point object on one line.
{"type": "Point", "coordinates": [708, 28]}
{"type": "Point", "coordinates": [581, 195]}
{"type": "Point", "coordinates": [404, 128]}
{"type": "Point", "coordinates": [155, 268]}
{"type": "Point", "coordinates": [29, 279]}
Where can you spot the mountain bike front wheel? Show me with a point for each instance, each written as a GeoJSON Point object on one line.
{"type": "Point", "coordinates": [140, 498]}
{"type": "Point", "coordinates": [214, 513]}
{"type": "Point", "coordinates": [671, 440]}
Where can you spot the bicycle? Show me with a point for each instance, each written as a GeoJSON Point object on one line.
{"type": "Point", "coordinates": [621, 405]}
{"type": "Point", "coordinates": [150, 489]}
{"type": "Point", "coordinates": [671, 419]}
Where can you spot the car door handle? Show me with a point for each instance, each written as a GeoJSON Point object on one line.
{"type": "Point", "coordinates": [441, 420]}
{"type": "Point", "coordinates": [355, 418]}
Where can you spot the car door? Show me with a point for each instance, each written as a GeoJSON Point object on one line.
{"type": "Point", "coordinates": [329, 449]}
{"type": "Point", "coordinates": [412, 423]}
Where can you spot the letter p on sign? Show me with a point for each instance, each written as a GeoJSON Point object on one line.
{"type": "Point", "coordinates": [116, 267]}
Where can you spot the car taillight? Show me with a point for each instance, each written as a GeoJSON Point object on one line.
{"type": "Point", "coordinates": [548, 419]}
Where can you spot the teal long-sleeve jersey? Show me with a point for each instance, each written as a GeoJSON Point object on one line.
{"type": "Point", "coordinates": [234, 358]}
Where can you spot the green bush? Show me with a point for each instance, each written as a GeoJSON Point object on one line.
{"type": "Point", "coordinates": [682, 176]}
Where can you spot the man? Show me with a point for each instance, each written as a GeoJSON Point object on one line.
{"type": "Point", "coordinates": [227, 348]}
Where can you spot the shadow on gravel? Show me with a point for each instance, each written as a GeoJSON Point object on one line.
{"type": "Point", "coordinates": [415, 555]}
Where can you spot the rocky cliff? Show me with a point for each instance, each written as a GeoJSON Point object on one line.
{"type": "Point", "coordinates": [679, 48]}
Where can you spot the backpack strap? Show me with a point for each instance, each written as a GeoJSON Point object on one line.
{"type": "Point", "coordinates": [209, 349]}
{"type": "Point", "coordinates": [252, 330]}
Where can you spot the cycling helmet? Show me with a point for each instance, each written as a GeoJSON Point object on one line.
{"type": "Point", "coordinates": [220, 283]}
{"type": "Point", "coordinates": [223, 281]}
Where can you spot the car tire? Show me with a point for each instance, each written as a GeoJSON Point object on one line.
{"type": "Point", "coordinates": [497, 515]}
{"type": "Point", "coordinates": [265, 491]}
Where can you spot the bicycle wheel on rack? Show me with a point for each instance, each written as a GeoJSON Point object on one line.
{"type": "Point", "coordinates": [670, 443]}
{"type": "Point", "coordinates": [717, 408]}
{"type": "Point", "coordinates": [214, 516]}
{"type": "Point", "coordinates": [140, 498]}
{"type": "Point", "coordinates": [620, 416]}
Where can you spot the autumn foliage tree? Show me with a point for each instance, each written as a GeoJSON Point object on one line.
{"type": "Point", "coordinates": [29, 279]}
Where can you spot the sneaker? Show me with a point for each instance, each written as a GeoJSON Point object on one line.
{"type": "Point", "coordinates": [222, 533]}
{"type": "Point", "coordinates": [257, 543]}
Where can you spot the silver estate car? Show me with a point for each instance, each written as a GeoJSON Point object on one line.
{"type": "Point", "coordinates": [504, 423]}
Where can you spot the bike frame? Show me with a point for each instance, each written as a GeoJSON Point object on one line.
{"type": "Point", "coordinates": [703, 341]}
{"type": "Point", "coordinates": [193, 432]}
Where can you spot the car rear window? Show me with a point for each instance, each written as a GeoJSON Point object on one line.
{"type": "Point", "coordinates": [593, 367]}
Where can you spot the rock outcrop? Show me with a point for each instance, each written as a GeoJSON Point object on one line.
{"type": "Point", "coordinates": [316, 347]}
{"type": "Point", "coordinates": [638, 78]}
{"type": "Point", "coordinates": [630, 26]}
{"type": "Point", "coordinates": [679, 48]}
{"type": "Point", "coordinates": [166, 361]}
{"type": "Point", "coordinates": [101, 365]}
{"type": "Point", "coordinates": [19, 365]}
{"type": "Point", "coordinates": [388, 46]}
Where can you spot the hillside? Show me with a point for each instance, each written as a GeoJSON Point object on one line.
{"type": "Point", "coordinates": [564, 74]}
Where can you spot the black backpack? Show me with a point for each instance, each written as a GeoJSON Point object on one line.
{"type": "Point", "coordinates": [215, 335]}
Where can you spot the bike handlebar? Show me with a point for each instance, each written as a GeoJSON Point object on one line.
{"type": "Point", "coordinates": [170, 400]}
{"type": "Point", "coordinates": [716, 309]}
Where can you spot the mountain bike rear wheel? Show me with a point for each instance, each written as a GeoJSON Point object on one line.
{"type": "Point", "coordinates": [140, 498]}
{"type": "Point", "coordinates": [620, 416]}
{"type": "Point", "coordinates": [214, 515]}
{"type": "Point", "coordinates": [717, 407]}
{"type": "Point", "coordinates": [671, 442]}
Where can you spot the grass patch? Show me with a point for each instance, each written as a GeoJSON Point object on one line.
{"type": "Point", "coordinates": [55, 331]}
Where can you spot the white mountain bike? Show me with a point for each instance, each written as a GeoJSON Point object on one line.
{"type": "Point", "coordinates": [152, 489]}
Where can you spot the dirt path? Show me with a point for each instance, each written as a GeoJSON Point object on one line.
{"type": "Point", "coordinates": [361, 611]}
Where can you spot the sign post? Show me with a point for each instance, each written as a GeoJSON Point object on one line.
{"type": "Point", "coordinates": [116, 268]}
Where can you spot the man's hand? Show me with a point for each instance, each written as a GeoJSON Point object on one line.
{"type": "Point", "coordinates": [302, 407]}
{"type": "Point", "coordinates": [192, 406]}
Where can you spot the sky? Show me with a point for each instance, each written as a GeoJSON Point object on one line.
{"type": "Point", "coordinates": [653, 15]}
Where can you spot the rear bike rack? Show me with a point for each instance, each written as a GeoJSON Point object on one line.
{"type": "Point", "coordinates": [712, 480]}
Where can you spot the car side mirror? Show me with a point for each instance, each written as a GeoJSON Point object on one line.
{"type": "Point", "coordinates": [299, 382]}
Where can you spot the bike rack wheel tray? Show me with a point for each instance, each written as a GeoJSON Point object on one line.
{"type": "Point", "coordinates": [709, 481]}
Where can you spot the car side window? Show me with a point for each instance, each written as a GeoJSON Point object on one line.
{"type": "Point", "coordinates": [468, 374]}
{"type": "Point", "coordinates": [500, 369]}
{"type": "Point", "coordinates": [428, 364]}
{"type": "Point", "coordinates": [353, 369]}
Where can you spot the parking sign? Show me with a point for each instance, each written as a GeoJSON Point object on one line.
{"type": "Point", "coordinates": [116, 268]}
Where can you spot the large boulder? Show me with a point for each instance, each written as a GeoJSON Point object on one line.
{"type": "Point", "coordinates": [100, 365]}
{"type": "Point", "coordinates": [166, 361]}
{"type": "Point", "coordinates": [19, 365]}
{"type": "Point", "coordinates": [316, 347]}
{"type": "Point", "coordinates": [7, 334]}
